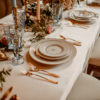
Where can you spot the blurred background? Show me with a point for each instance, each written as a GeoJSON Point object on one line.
{"type": "Point", "coordinates": [6, 6]}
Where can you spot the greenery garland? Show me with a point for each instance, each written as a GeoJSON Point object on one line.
{"type": "Point", "coordinates": [3, 74]}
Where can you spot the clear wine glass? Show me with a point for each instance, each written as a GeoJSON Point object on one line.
{"type": "Point", "coordinates": [57, 10]}
{"type": "Point", "coordinates": [78, 1]}
{"type": "Point", "coordinates": [80, 4]}
{"type": "Point", "coordinates": [17, 40]}
{"type": "Point", "coordinates": [60, 11]}
{"type": "Point", "coordinates": [9, 31]}
{"type": "Point", "coordinates": [77, 4]}
{"type": "Point", "coordinates": [54, 12]}
{"type": "Point", "coordinates": [14, 37]}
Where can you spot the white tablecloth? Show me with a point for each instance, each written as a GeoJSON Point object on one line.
{"type": "Point", "coordinates": [31, 89]}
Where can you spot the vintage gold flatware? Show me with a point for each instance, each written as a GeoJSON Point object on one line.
{"type": "Point", "coordinates": [77, 43]}
{"type": "Point", "coordinates": [6, 94]}
{"type": "Point", "coordinates": [45, 71]}
{"type": "Point", "coordinates": [74, 23]}
{"type": "Point", "coordinates": [69, 38]}
{"type": "Point", "coordinates": [13, 97]}
{"type": "Point", "coordinates": [77, 25]}
{"type": "Point", "coordinates": [46, 79]}
{"type": "Point", "coordinates": [42, 71]}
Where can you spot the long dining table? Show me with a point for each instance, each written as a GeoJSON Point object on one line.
{"type": "Point", "coordinates": [28, 88]}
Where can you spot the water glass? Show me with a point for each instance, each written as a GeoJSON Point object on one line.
{"type": "Point", "coordinates": [14, 37]}
{"type": "Point", "coordinates": [9, 31]}
{"type": "Point", "coordinates": [17, 40]}
{"type": "Point", "coordinates": [57, 10]}
{"type": "Point", "coordinates": [18, 59]}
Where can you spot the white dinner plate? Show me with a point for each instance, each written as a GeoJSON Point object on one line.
{"type": "Point", "coordinates": [83, 16]}
{"type": "Point", "coordinates": [54, 47]}
{"type": "Point", "coordinates": [50, 58]}
{"type": "Point", "coordinates": [32, 52]}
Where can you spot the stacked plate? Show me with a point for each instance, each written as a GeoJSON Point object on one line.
{"type": "Point", "coordinates": [82, 15]}
{"type": "Point", "coordinates": [52, 51]}
{"type": "Point", "coordinates": [93, 1]}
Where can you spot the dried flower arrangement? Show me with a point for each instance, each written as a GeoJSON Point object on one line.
{"type": "Point", "coordinates": [40, 28]}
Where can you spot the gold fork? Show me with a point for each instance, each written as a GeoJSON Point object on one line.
{"type": "Point", "coordinates": [42, 71]}
{"type": "Point", "coordinates": [77, 43]}
{"type": "Point", "coordinates": [6, 94]}
{"type": "Point", "coordinates": [46, 79]}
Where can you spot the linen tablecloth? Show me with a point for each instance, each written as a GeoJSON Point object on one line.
{"type": "Point", "coordinates": [32, 89]}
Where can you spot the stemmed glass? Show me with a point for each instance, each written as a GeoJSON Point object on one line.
{"type": "Point", "coordinates": [14, 37]}
{"type": "Point", "coordinates": [54, 12]}
{"type": "Point", "coordinates": [9, 31]}
{"type": "Point", "coordinates": [78, 1]}
{"type": "Point", "coordinates": [80, 4]}
{"type": "Point", "coordinates": [17, 39]}
{"type": "Point", "coordinates": [57, 10]}
{"type": "Point", "coordinates": [17, 44]}
{"type": "Point", "coordinates": [77, 4]}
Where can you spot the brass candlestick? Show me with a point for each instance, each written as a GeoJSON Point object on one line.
{"type": "Point", "coordinates": [15, 17]}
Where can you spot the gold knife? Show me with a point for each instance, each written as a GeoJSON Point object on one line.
{"type": "Point", "coordinates": [14, 97]}
{"type": "Point", "coordinates": [6, 94]}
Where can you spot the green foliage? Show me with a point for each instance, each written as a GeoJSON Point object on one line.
{"type": "Point", "coordinates": [40, 28]}
{"type": "Point", "coordinates": [3, 74]}
{"type": "Point", "coordinates": [46, 19]}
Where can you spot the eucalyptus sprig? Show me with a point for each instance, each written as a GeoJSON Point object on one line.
{"type": "Point", "coordinates": [3, 74]}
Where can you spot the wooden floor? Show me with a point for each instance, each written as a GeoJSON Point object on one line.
{"type": "Point", "coordinates": [94, 71]}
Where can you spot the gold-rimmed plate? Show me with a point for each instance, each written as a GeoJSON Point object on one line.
{"type": "Point", "coordinates": [83, 15]}
{"type": "Point", "coordinates": [38, 53]}
{"type": "Point", "coordinates": [34, 56]}
{"type": "Point", "coordinates": [53, 47]}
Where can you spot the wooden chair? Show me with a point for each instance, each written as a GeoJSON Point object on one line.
{"type": "Point", "coordinates": [85, 88]}
{"type": "Point", "coordinates": [94, 61]}
{"type": "Point", "coordinates": [6, 7]}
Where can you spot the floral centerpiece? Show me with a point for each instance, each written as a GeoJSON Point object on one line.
{"type": "Point", "coordinates": [40, 28]}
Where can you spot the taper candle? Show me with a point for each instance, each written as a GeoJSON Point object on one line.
{"type": "Point", "coordinates": [14, 4]}
{"type": "Point", "coordinates": [14, 8]}
{"type": "Point", "coordinates": [38, 10]}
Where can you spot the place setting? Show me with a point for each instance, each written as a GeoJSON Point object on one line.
{"type": "Point", "coordinates": [47, 54]}
{"type": "Point", "coordinates": [81, 18]}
